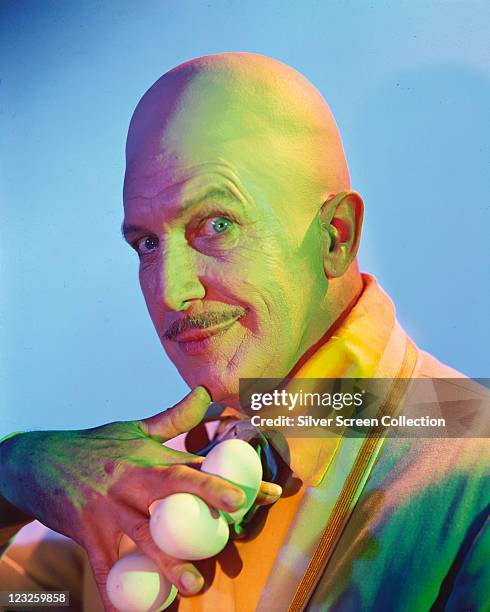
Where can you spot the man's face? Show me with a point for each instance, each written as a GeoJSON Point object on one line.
{"type": "Point", "coordinates": [230, 254]}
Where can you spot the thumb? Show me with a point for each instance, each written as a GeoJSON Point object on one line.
{"type": "Point", "coordinates": [181, 418]}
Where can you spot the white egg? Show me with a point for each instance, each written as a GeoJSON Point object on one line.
{"type": "Point", "coordinates": [134, 584]}
{"type": "Point", "coordinates": [184, 526]}
{"type": "Point", "coordinates": [236, 461]}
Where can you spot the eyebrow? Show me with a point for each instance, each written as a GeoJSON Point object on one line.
{"type": "Point", "coordinates": [128, 228]}
{"type": "Point", "coordinates": [217, 192]}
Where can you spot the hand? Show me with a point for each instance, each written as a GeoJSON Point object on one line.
{"type": "Point", "coordinates": [95, 485]}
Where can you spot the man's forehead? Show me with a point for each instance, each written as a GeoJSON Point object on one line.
{"type": "Point", "coordinates": [266, 123]}
{"type": "Point", "coordinates": [156, 182]}
{"type": "Point", "coordinates": [192, 119]}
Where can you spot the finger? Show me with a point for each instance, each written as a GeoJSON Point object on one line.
{"type": "Point", "coordinates": [181, 418]}
{"type": "Point", "coordinates": [181, 573]}
{"type": "Point", "coordinates": [101, 562]}
{"type": "Point", "coordinates": [179, 457]}
{"type": "Point", "coordinates": [269, 493]}
{"type": "Point", "coordinates": [160, 482]}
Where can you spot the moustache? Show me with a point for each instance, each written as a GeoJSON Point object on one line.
{"type": "Point", "coordinates": [202, 321]}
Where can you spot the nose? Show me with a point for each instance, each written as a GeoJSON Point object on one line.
{"type": "Point", "coordinates": [178, 279]}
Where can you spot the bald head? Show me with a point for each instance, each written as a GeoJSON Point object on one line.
{"type": "Point", "coordinates": [237, 201]}
{"type": "Point", "coordinates": [255, 112]}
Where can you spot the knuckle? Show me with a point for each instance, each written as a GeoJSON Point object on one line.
{"type": "Point", "coordinates": [177, 472]}
{"type": "Point", "coordinates": [174, 418]}
{"type": "Point", "coordinates": [204, 484]}
{"type": "Point", "coordinates": [210, 485]}
{"type": "Point", "coordinates": [167, 565]}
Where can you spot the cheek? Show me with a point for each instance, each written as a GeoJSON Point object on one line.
{"type": "Point", "coordinates": [276, 286]}
{"type": "Point", "coordinates": [149, 291]}
{"type": "Point", "coordinates": [252, 286]}
{"type": "Point", "coordinates": [258, 276]}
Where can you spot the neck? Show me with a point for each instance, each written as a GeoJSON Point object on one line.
{"type": "Point", "coordinates": [341, 297]}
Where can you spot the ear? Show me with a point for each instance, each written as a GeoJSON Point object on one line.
{"type": "Point", "coordinates": [341, 222]}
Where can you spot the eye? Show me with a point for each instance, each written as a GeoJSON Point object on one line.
{"type": "Point", "coordinates": [221, 224]}
{"type": "Point", "coordinates": [146, 244]}
{"type": "Point", "coordinates": [214, 226]}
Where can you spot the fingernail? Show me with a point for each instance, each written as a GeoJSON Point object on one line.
{"type": "Point", "coordinates": [234, 499]}
{"type": "Point", "coordinates": [274, 490]}
{"type": "Point", "coordinates": [190, 581]}
{"type": "Point", "coordinates": [202, 392]}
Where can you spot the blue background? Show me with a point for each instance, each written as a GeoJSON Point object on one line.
{"type": "Point", "coordinates": [409, 85]}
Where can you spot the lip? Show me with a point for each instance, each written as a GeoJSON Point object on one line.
{"type": "Point", "coordinates": [197, 341]}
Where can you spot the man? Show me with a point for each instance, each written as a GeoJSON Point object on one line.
{"type": "Point", "coordinates": [238, 202]}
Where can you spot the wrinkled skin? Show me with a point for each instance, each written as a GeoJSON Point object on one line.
{"type": "Point", "coordinates": [237, 200]}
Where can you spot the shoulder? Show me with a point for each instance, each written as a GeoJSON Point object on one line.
{"type": "Point", "coordinates": [430, 367]}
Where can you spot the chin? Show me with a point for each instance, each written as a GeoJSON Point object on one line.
{"type": "Point", "coordinates": [221, 375]}
{"type": "Point", "coordinates": [222, 388]}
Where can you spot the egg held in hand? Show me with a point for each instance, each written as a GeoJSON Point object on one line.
{"type": "Point", "coordinates": [238, 462]}
{"type": "Point", "coordinates": [134, 584]}
{"type": "Point", "coordinates": [185, 527]}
